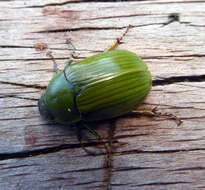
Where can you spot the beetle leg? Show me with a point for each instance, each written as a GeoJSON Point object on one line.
{"type": "Point", "coordinates": [79, 136]}
{"type": "Point", "coordinates": [98, 137]}
{"type": "Point", "coordinates": [92, 131]}
{"type": "Point", "coordinates": [149, 113]}
{"type": "Point", "coordinates": [155, 113]}
{"type": "Point", "coordinates": [55, 66]}
{"type": "Point", "coordinates": [118, 40]}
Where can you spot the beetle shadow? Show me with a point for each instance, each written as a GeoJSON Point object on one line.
{"type": "Point", "coordinates": [102, 127]}
{"type": "Point", "coordinates": [65, 134]}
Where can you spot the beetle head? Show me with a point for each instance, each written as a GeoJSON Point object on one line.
{"type": "Point", "coordinates": [43, 108]}
{"type": "Point", "coordinates": [58, 102]}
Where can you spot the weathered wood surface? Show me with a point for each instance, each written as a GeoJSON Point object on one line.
{"type": "Point", "coordinates": [151, 153]}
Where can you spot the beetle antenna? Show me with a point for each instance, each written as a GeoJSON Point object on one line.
{"type": "Point", "coordinates": [69, 42]}
{"type": "Point", "coordinates": [55, 66]}
{"type": "Point", "coordinates": [118, 41]}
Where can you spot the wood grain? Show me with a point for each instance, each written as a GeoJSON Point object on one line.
{"type": "Point", "coordinates": [146, 153]}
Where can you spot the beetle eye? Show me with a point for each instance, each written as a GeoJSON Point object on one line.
{"type": "Point", "coordinates": [43, 108]}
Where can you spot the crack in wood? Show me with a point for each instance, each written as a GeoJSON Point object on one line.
{"type": "Point", "coordinates": [33, 59]}
{"type": "Point", "coordinates": [135, 168]}
{"type": "Point", "coordinates": [78, 1]}
{"type": "Point", "coordinates": [189, 169]}
{"type": "Point", "coordinates": [152, 184]}
{"type": "Point", "coordinates": [6, 156]}
{"type": "Point", "coordinates": [95, 28]}
{"type": "Point", "coordinates": [130, 136]}
{"type": "Point", "coordinates": [189, 118]}
{"type": "Point", "coordinates": [17, 118]}
{"type": "Point", "coordinates": [201, 187]}
{"type": "Point", "coordinates": [172, 56]}
{"type": "Point", "coordinates": [108, 1]}
{"type": "Point", "coordinates": [164, 183]}
{"type": "Point", "coordinates": [177, 79]}
{"type": "Point", "coordinates": [158, 151]}
{"type": "Point", "coordinates": [24, 85]}
{"type": "Point", "coordinates": [195, 25]}
{"type": "Point", "coordinates": [188, 140]}
{"type": "Point", "coordinates": [16, 175]}
{"type": "Point", "coordinates": [18, 97]}
{"type": "Point", "coordinates": [80, 29]}
{"type": "Point", "coordinates": [18, 166]}
{"type": "Point", "coordinates": [174, 2]}
{"type": "Point", "coordinates": [15, 46]}
{"type": "Point", "coordinates": [86, 183]}
{"type": "Point", "coordinates": [82, 170]}
{"type": "Point", "coordinates": [118, 16]}
{"type": "Point", "coordinates": [24, 106]}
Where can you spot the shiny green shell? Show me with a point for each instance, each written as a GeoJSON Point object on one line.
{"type": "Point", "coordinates": [100, 87]}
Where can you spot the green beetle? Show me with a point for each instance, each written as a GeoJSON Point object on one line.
{"type": "Point", "coordinates": [100, 87]}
